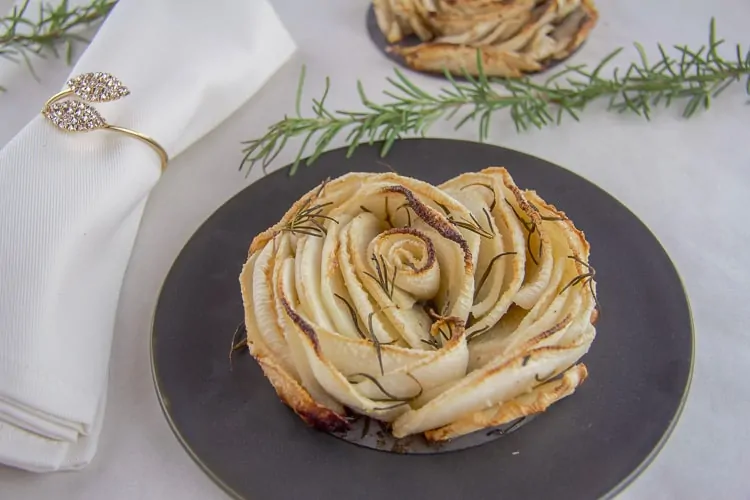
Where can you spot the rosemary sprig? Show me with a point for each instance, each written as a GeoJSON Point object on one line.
{"type": "Point", "coordinates": [239, 333]}
{"type": "Point", "coordinates": [444, 209]}
{"type": "Point", "coordinates": [553, 374]}
{"type": "Point", "coordinates": [432, 343]}
{"type": "Point", "coordinates": [545, 217]}
{"type": "Point", "coordinates": [488, 187]}
{"type": "Point", "coordinates": [389, 397]}
{"type": "Point", "coordinates": [54, 27]}
{"type": "Point", "coordinates": [406, 207]}
{"type": "Point", "coordinates": [446, 336]}
{"type": "Point", "coordinates": [475, 334]}
{"type": "Point", "coordinates": [584, 278]}
{"type": "Point", "coordinates": [530, 227]}
{"type": "Point", "coordinates": [695, 76]}
{"type": "Point", "coordinates": [353, 314]}
{"type": "Point", "coordinates": [388, 285]}
{"type": "Point", "coordinates": [501, 432]}
{"type": "Point", "coordinates": [436, 343]}
{"type": "Point", "coordinates": [487, 272]}
{"type": "Point", "coordinates": [474, 226]}
{"type": "Point", "coordinates": [370, 333]}
{"type": "Point", "coordinates": [376, 342]}
{"type": "Point", "coordinates": [447, 304]}
{"type": "Point", "coordinates": [400, 401]}
{"type": "Point", "coordinates": [309, 219]}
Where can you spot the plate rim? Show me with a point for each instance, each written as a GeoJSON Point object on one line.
{"type": "Point", "coordinates": [611, 494]}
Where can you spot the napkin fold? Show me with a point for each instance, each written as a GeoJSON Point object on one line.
{"type": "Point", "coordinates": [71, 205]}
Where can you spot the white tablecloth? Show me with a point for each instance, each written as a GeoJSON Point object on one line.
{"type": "Point", "coordinates": [688, 180]}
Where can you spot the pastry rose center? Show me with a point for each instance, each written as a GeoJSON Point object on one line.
{"type": "Point", "coordinates": [412, 257]}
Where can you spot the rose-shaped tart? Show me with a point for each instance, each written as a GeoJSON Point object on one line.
{"type": "Point", "coordinates": [513, 37]}
{"type": "Point", "coordinates": [439, 310]}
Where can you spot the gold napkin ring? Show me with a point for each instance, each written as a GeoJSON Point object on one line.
{"type": "Point", "coordinates": [76, 115]}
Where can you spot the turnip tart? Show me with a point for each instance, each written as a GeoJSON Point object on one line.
{"type": "Point", "coordinates": [511, 37]}
{"type": "Point", "coordinates": [436, 310]}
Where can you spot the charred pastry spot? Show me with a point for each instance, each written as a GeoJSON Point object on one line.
{"type": "Point", "coordinates": [525, 205]}
{"type": "Point", "coordinates": [555, 328]}
{"type": "Point", "coordinates": [301, 323]}
{"type": "Point", "coordinates": [418, 234]}
{"type": "Point", "coordinates": [526, 360]}
{"type": "Point", "coordinates": [324, 420]}
{"type": "Point", "coordinates": [444, 228]}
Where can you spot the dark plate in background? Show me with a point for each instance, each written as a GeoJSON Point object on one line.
{"type": "Point", "coordinates": [589, 445]}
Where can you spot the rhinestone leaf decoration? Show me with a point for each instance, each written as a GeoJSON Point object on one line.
{"type": "Point", "coordinates": [74, 116]}
{"type": "Point", "coordinates": [97, 87]}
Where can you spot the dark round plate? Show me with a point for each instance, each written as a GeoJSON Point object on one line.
{"type": "Point", "coordinates": [589, 445]}
{"type": "Point", "coordinates": [382, 44]}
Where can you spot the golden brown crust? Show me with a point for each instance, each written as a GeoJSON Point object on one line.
{"type": "Point", "coordinates": [287, 388]}
{"type": "Point", "coordinates": [592, 17]}
{"type": "Point", "coordinates": [299, 400]}
{"type": "Point", "coordinates": [537, 401]}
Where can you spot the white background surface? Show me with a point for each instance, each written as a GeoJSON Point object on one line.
{"type": "Point", "coordinates": [688, 180]}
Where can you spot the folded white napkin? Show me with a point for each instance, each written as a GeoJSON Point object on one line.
{"type": "Point", "coordinates": [70, 207]}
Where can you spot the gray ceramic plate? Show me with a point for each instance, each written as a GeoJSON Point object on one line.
{"type": "Point", "coordinates": [587, 446]}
